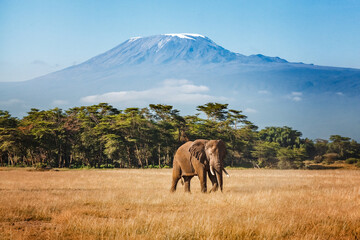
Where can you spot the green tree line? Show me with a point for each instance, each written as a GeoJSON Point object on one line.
{"type": "Point", "coordinates": [103, 136]}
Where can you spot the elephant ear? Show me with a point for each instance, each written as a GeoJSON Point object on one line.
{"type": "Point", "coordinates": [222, 149]}
{"type": "Point", "coordinates": [197, 149]}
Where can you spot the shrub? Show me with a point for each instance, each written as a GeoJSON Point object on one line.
{"type": "Point", "coordinates": [106, 166]}
{"type": "Point", "coordinates": [352, 160]}
{"type": "Point", "coordinates": [330, 158]}
{"type": "Point", "coordinates": [40, 165]}
{"type": "Point", "coordinates": [318, 159]}
{"type": "Point", "coordinates": [284, 164]}
{"type": "Point", "coordinates": [81, 166]}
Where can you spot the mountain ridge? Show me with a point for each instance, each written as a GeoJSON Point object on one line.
{"type": "Point", "coordinates": [165, 48]}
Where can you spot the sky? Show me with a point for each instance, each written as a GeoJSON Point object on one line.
{"type": "Point", "coordinates": [39, 37]}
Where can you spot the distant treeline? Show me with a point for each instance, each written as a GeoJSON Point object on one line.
{"type": "Point", "coordinates": [104, 137]}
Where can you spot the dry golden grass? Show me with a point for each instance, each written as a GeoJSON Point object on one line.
{"type": "Point", "coordinates": [136, 204]}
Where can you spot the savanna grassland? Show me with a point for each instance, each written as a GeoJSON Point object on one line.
{"type": "Point", "coordinates": [136, 204]}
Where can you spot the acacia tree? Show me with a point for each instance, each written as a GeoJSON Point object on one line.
{"type": "Point", "coordinates": [45, 131]}
{"type": "Point", "coordinates": [214, 111]}
{"type": "Point", "coordinates": [340, 145]}
{"type": "Point", "coordinates": [290, 157]}
{"type": "Point", "coordinates": [241, 135]}
{"type": "Point", "coordinates": [11, 139]}
{"type": "Point", "coordinates": [169, 128]}
{"type": "Point", "coordinates": [89, 125]}
{"type": "Point", "coordinates": [135, 131]}
{"type": "Point", "coordinates": [8, 138]}
{"type": "Point", "coordinates": [265, 153]}
{"type": "Point", "coordinates": [284, 136]}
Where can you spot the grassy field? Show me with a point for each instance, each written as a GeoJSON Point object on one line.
{"type": "Point", "coordinates": [136, 204]}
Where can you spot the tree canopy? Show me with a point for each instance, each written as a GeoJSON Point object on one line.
{"type": "Point", "coordinates": [103, 136]}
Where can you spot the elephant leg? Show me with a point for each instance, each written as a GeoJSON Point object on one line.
{"type": "Point", "coordinates": [203, 183]}
{"type": "Point", "coordinates": [176, 176]}
{"type": "Point", "coordinates": [214, 182]}
{"type": "Point", "coordinates": [187, 180]}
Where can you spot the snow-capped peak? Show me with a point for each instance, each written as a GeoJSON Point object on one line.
{"type": "Point", "coordinates": [134, 39]}
{"type": "Point", "coordinates": [172, 47]}
{"type": "Point", "coordinates": [184, 35]}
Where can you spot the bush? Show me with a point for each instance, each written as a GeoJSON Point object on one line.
{"type": "Point", "coordinates": [330, 158]}
{"type": "Point", "coordinates": [284, 164]}
{"type": "Point", "coordinates": [40, 165]}
{"type": "Point", "coordinates": [81, 166]}
{"type": "Point", "coordinates": [352, 160]}
{"type": "Point", "coordinates": [106, 166]}
{"type": "Point", "coordinates": [299, 164]}
{"type": "Point", "coordinates": [318, 159]}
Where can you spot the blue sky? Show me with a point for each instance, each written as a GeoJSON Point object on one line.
{"type": "Point", "coordinates": [38, 37]}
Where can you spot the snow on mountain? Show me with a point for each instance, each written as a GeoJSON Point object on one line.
{"type": "Point", "coordinates": [164, 49]}
{"type": "Point", "coordinates": [184, 35]}
{"type": "Point", "coordinates": [167, 48]}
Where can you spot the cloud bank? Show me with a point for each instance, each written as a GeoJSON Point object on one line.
{"type": "Point", "coordinates": [172, 91]}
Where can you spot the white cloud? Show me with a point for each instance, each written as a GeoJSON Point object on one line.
{"type": "Point", "coordinates": [169, 91]}
{"type": "Point", "coordinates": [250, 110]}
{"type": "Point", "coordinates": [295, 96]}
{"type": "Point", "coordinates": [340, 93]}
{"type": "Point", "coordinates": [296, 99]}
{"type": "Point", "coordinates": [296, 93]}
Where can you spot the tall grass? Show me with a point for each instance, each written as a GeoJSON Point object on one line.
{"type": "Point", "coordinates": [136, 204]}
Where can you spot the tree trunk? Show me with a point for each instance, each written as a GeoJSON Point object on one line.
{"type": "Point", "coordinates": [138, 156]}
{"type": "Point", "coordinates": [59, 156]}
{"type": "Point", "coordinates": [129, 158]}
{"type": "Point", "coordinates": [147, 162]}
{"type": "Point", "coordinates": [100, 156]}
{"type": "Point", "coordinates": [167, 156]}
{"type": "Point", "coordinates": [31, 157]}
{"type": "Point", "coordinates": [70, 161]}
{"type": "Point", "coordinates": [159, 155]}
{"type": "Point", "coordinates": [11, 160]}
{"type": "Point", "coordinates": [60, 161]}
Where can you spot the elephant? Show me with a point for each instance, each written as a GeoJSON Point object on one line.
{"type": "Point", "coordinates": [199, 158]}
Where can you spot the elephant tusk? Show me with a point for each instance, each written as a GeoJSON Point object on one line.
{"type": "Point", "coordinates": [211, 170]}
{"type": "Point", "coordinates": [226, 172]}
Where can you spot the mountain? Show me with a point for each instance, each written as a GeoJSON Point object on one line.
{"type": "Point", "coordinates": [170, 48]}
{"type": "Point", "coordinates": [186, 70]}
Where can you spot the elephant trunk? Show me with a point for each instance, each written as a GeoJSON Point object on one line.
{"type": "Point", "coordinates": [219, 178]}
{"type": "Point", "coordinates": [216, 169]}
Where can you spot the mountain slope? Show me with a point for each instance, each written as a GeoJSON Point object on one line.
{"type": "Point", "coordinates": [168, 48]}
{"type": "Point", "coordinates": [187, 70]}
